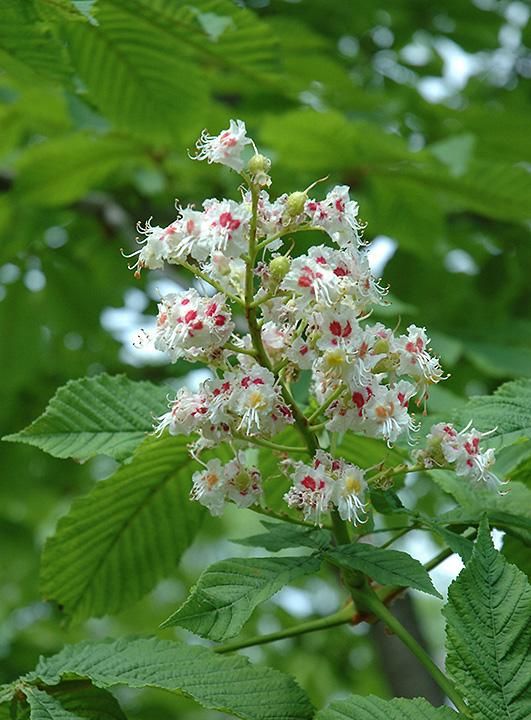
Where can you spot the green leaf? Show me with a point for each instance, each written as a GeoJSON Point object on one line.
{"type": "Point", "coordinates": [489, 188]}
{"type": "Point", "coordinates": [517, 553]}
{"type": "Point", "coordinates": [137, 75]}
{"type": "Point", "coordinates": [387, 567]}
{"type": "Point", "coordinates": [386, 501]}
{"type": "Point", "coordinates": [87, 701]}
{"type": "Point", "coordinates": [281, 535]}
{"type": "Point", "coordinates": [64, 169]}
{"type": "Point", "coordinates": [226, 683]}
{"type": "Point", "coordinates": [357, 707]}
{"type": "Point", "coordinates": [459, 544]}
{"type": "Point", "coordinates": [508, 410]}
{"type": "Point", "coordinates": [27, 41]}
{"type": "Point", "coordinates": [75, 699]}
{"type": "Point", "coordinates": [315, 141]}
{"type": "Point", "coordinates": [455, 152]}
{"type": "Point", "coordinates": [46, 707]}
{"type": "Point", "coordinates": [517, 525]}
{"type": "Point", "coordinates": [118, 541]}
{"type": "Point", "coordinates": [228, 591]}
{"type": "Point", "coordinates": [100, 415]}
{"type": "Point", "coordinates": [410, 214]}
{"type": "Point", "coordinates": [500, 360]}
{"type": "Point", "coordinates": [489, 634]}
{"type": "Point", "coordinates": [507, 510]}
{"type": "Point", "coordinates": [215, 32]}
{"type": "Point", "coordinates": [365, 451]}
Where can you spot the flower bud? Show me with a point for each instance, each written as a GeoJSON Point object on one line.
{"type": "Point", "coordinates": [242, 480]}
{"type": "Point", "coordinates": [295, 203]}
{"type": "Point", "coordinates": [259, 164]}
{"type": "Point", "coordinates": [279, 267]}
{"type": "Point", "coordinates": [381, 347]}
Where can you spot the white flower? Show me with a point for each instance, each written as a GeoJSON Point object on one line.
{"type": "Point", "coordinates": [348, 412]}
{"type": "Point", "coordinates": [276, 339]}
{"type": "Point", "coordinates": [301, 354]}
{"type": "Point", "coordinates": [273, 219]}
{"type": "Point", "coordinates": [463, 450]}
{"type": "Point", "coordinates": [416, 361]}
{"type": "Point", "coordinates": [187, 241]}
{"type": "Point", "coordinates": [386, 411]}
{"type": "Point", "coordinates": [188, 413]}
{"type": "Point", "coordinates": [225, 148]}
{"type": "Point", "coordinates": [349, 490]}
{"type": "Point", "coordinates": [217, 483]}
{"type": "Point", "coordinates": [244, 483]}
{"type": "Point", "coordinates": [337, 215]}
{"type": "Point", "coordinates": [192, 326]}
{"type": "Point", "coordinates": [225, 227]}
{"type": "Point", "coordinates": [227, 272]}
{"type": "Point", "coordinates": [209, 486]}
{"type": "Point", "coordinates": [312, 280]}
{"type": "Point", "coordinates": [327, 483]}
{"type": "Point", "coordinates": [311, 492]}
{"type": "Point", "coordinates": [155, 246]}
{"type": "Point", "coordinates": [255, 401]}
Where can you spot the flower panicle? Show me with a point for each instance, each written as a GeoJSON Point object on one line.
{"type": "Point", "coordinates": [309, 314]}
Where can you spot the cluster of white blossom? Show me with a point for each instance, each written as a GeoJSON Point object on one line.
{"type": "Point", "coordinates": [234, 481]}
{"type": "Point", "coordinates": [445, 446]}
{"type": "Point", "coordinates": [329, 482]}
{"type": "Point", "coordinates": [191, 326]}
{"type": "Point", "coordinates": [245, 401]}
{"type": "Point", "coordinates": [309, 312]}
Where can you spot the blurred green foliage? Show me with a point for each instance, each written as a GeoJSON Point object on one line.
{"type": "Point", "coordinates": [422, 108]}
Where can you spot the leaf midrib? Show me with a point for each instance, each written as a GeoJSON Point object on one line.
{"type": "Point", "coordinates": [157, 19]}
{"type": "Point", "coordinates": [167, 477]}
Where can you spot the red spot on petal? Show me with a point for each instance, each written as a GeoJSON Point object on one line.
{"type": "Point", "coordinates": [309, 483]}
{"type": "Point", "coordinates": [358, 400]}
{"type": "Point", "coordinates": [335, 328]}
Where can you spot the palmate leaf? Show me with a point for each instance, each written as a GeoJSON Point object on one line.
{"type": "Point", "coordinates": [100, 415]}
{"type": "Point", "coordinates": [388, 567]}
{"type": "Point", "coordinates": [489, 635]}
{"type": "Point", "coordinates": [145, 63]}
{"type": "Point", "coordinates": [137, 75]}
{"type": "Point", "coordinates": [125, 535]}
{"type": "Point", "coordinates": [228, 684]}
{"type": "Point", "coordinates": [216, 33]}
{"type": "Point", "coordinates": [228, 591]}
{"type": "Point", "coordinates": [29, 45]}
{"type": "Point", "coordinates": [356, 707]}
